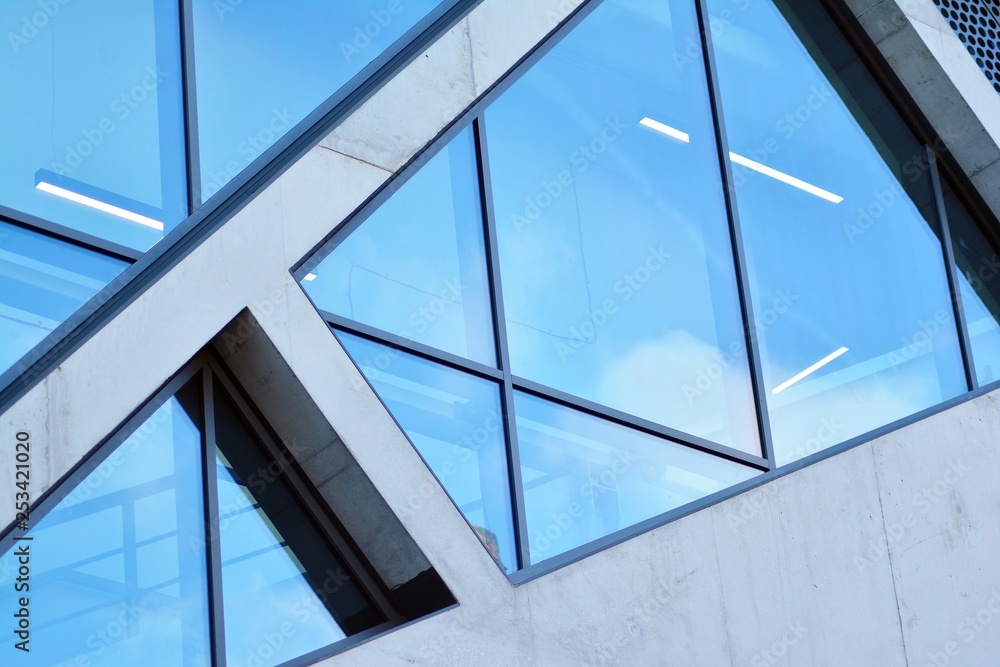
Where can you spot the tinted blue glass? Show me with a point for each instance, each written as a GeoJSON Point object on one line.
{"type": "Point", "coordinates": [978, 272]}
{"type": "Point", "coordinates": [98, 119]}
{"type": "Point", "coordinates": [42, 282]}
{"type": "Point", "coordinates": [856, 326]}
{"type": "Point", "coordinates": [280, 579]}
{"type": "Point", "coordinates": [454, 421]}
{"type": "Point", "coordinates": [585, 477]}
{"type": "Point", "coordinates": [617, 266]}
{"type": "Point", "coordinates": [417, 267]}
{"type": "Point", "coordinates": [118, 569]}
{"type": "Point", "coordinates": [264, 65]}
{"type": "Point", "coordinates": [263, 584]}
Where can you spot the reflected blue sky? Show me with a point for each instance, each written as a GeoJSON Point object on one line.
{"type": "Point", "coordinates": [864, 274]}
{"type": "Point", "coordinates": [264, 65]}
{"type": "Point", "coordinates": [617, 267]}
{"type": "Point", "coordinates": [454, 421]}
{"type": "Point", "coordinates": [585, 477]}
{"type": "Point", "coordinates": [263, 585]}
{"type": "Point", "coordinates": [416, 267]}
{"type": "Point", "coordinates": [115, 579]}
{"type": "Point", "coordinates": [42, 282]}
{"type": "Point", "coordinates": [116, 138]}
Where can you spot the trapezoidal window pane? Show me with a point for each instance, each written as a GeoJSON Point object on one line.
{"type": "Point", "coordinates": [853, 309]}
{"type": "Point", "coordinates": [618, 276]}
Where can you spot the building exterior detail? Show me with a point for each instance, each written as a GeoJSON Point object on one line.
{"type": "Point", "coordinates": [395, 308]}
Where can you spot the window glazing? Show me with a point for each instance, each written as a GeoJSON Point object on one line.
{"type": "Point", "coordinates": [585, 477]}
{"type": "Point", "coordinates": [113, 577]}
{"type": "Point", "coordinates": [264, 65]}
{"type": "Point", "coordinates": [710, 254]}
{"type": "Point", "coordinates": [607, 143]}
{"type": "Point", "coordinates": [189, 542]}
{"type": "Point", "coordinates": [417, 267]}
{"type": "Point", "coordinates": [42, 282]}
{"type": "Point", "coordinates": [95, 140]}
{"type": "Point", "coordinates": [837, 212]}
{"type": "Point", "coordinates": [454, 420]}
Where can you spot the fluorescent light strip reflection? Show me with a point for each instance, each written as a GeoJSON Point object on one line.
{"type": "Point", "coordinates": [310, 277]}
{"type": "Point", "coordinates": [812, 369]}
{"type": "Point", "coordinates": [99, 205]}
{"type": "Point", "coordinates": [671, 132]}
{"type": "Point", "coordinates": [785, 178]}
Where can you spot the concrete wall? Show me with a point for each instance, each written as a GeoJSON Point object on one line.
{"type": "Point", "coordinates": [880, 556]}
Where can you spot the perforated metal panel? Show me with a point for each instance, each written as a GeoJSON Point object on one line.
{"type": "Point", "coordinates": [977, 24]}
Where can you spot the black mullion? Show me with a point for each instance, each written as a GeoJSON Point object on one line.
{"type": "Point", "coordinates": [637, 423]}
{"type": "Point", "coordinates": [190, 102]}
{"type": "Point", "coordinates": [213, 544]}
{"type": "Point", "coordinates": [736, 235]}
{"type": "Point", "coordinates": [411, 346]}
{"type": "Point", "coordinates": [503, 352]}
{"type": "Point", "coordinates": [952, 271]}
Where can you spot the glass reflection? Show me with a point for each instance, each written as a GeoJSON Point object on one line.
{"type": "Point", "coordinates": [855, 322]}
{"type": "Point", "coordinates": [978, 271]}
{"type": "Point", "coordinates": [264, 65]}
{"type": "Point", "coordinates": [85, 145]}
{"type": "Point", "coordinates": [118, 573]}
{"type": "Point", "coordinates": [454, 421]}
{"type": "Point", "coordinates": [416, 267]}
{"type": "Point", "coordinates": [279, 577]}
{"type": "Point", "coordinates": [42, 282]}
{"type": "Point", "coordinates": [615, 254]}
{"type": "Point", "coordinates": [586, 477]}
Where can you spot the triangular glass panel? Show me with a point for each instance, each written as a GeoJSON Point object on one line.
{"type": "Point", "coordinates": [416, 268]}
{"type": "Point", "coordinates": [109, 571]}
{"type": "Point", "coordinates": [454, 420]}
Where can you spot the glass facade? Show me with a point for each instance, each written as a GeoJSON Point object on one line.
{"type": "Point", "coordinates": [130, 114]}
{"type": "Point", "coordinates": [179, 539]}
{"type": "Point", "coordinates": [833, 199]}
{"type": "Point", "coordinates": [707, 255]}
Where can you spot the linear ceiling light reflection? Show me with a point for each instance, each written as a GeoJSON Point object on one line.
{"type": "Point", "coordinates": [812, 369]}
{"type": "Point", "coordinates": [310, 277]}
{"type": "Point", "coordinates": [785, 178]}
{"type": "Point", "coordinates": [99, 205]}
{"type": "Point", "coordinates": [671, 132]}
